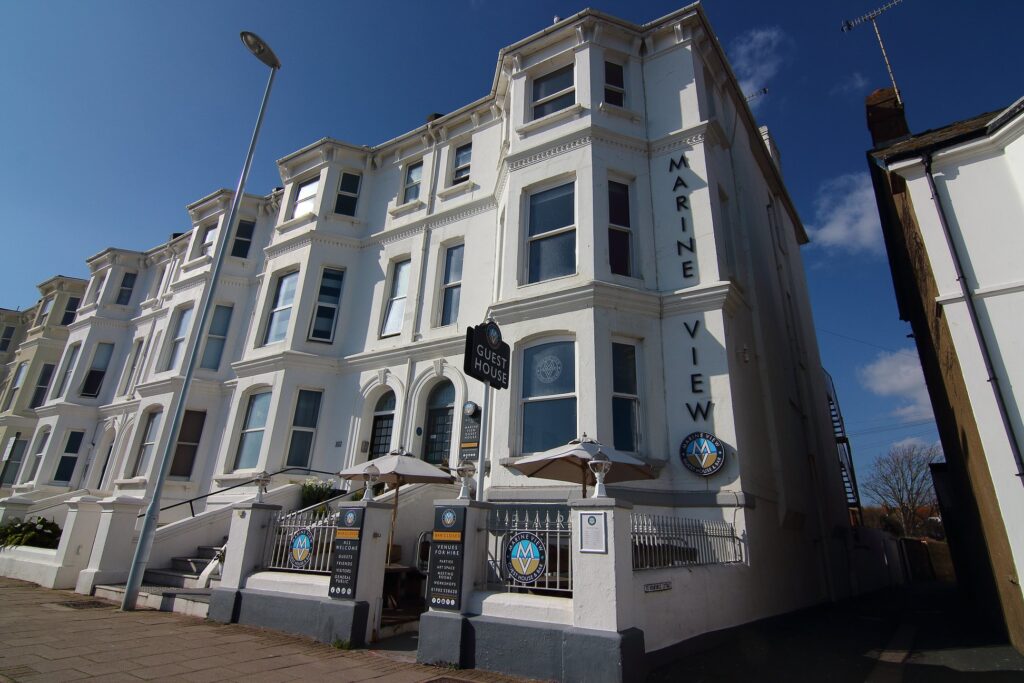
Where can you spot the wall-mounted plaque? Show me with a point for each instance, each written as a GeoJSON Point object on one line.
{"type": "Point", "coordinates": [348, 536]}
{"type": "Point", "coordinates": [593, 532]}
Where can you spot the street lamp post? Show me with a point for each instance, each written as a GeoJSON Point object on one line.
{"type": "Point", "coordinates": [262, 52]}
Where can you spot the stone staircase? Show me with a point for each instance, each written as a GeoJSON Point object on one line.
{"type": "Point", "coordinates": [173, 589]}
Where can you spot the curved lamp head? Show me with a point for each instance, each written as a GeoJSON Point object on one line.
{"type": "Point", "coordinates": [260, 49]}
{"type": "Point", "coordinates": [465, 472]}
{"type": "Point", "coordinates": [372, 472]}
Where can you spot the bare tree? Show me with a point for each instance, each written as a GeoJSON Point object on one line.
{"type": "Point", "coordinates": [901, 481]}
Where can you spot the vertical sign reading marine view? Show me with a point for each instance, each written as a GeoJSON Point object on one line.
{"type": "Point", "coordinates": [345, 554]}
{"type": "Point", "coordinates": [444, 587]}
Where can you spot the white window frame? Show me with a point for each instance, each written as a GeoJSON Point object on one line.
{"type": "Point", "coordinates": [460, 172]}
{"type": "Point", "coordinates": [177, 334]}
{"type": "Point", "coordinates": [153, 418]}
{"type": "Point", "coordinates": [69, 454]}
{"type": "Point", "coordinates": [7, 338]}
{"type": "Point", "coordinates": [71, 310]}
{"type": "Point", "coordinates": [243, 429]}
{"type": "Point", "coordinates": [210, 334]}
{"type": "Point", "coordinates": [621, 90]}
{"type": "Point", "coordinates": [42, 385]}
{"type": "Point", "coordinates": [246, 240]}
{"type": "Point", "coordinates": [618, 227]}
{"type": "Point", "coordinates": [206, 241]}
{"type": "Point", "coordinates": [179, 443]}
{"type": "Point", "coordinates": [68, 369]}
{"type": "Point", "coordinates": [530, 239]}
{"type": "Point", "coordinates": [276, 308]}
{"type": "Point", "coordinates": [635, 398]}
{"type": "Point", "coordinates": [44, 311]}
{"type": "Point", "coordinates": [394, 296]}
{"type": "Point", "coordinates": [523, 400]}
{"type": "Point", "coordinates": [37, 455]}
{"type": "Point", "coordinates": [310, 430]}
{"type": "Point", "coordinates": [300, 200]}
{"type": "Point", "coordinates": [445, 284]}
{"type": "Point", "coordinates": [17, 380]}
{"type": "Point", "coordinates": [318, 304]}
{"type": "Point", "coordinates": [534, 103]}
{"type": "Point", "coordinates": [408, 186]}
{"type": "Point", "coordinates": [93, 367]}
{"type": "Point", "coordinates": [123, 289]}
{"type": "Point", "coordinates": [347, 193]}
{"type": "Point", "coordinates": [97, 291]}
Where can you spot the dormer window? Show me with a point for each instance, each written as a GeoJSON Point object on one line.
{"type": "Point", "coordinates": [348, 193]}
{"type": "Point", "coordinates": [553, 92]}
{"type": "Point", "coordinates": [305, 197]}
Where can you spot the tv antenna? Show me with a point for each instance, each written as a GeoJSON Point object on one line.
{"type": "Point", "coordinates": [758, 93]}
{"type": "Point", "coordinates": [851, 24]}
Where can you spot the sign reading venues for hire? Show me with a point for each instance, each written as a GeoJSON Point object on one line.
{"type": "Point", "coordinates": [702, 453]}
{"type": "Point", "coordinates": [487, 356]}
{"type": "Point", "coordinates": [593, 535]}
{"type": "Point", "coordinates": [444, 584]}
{"type": "Point", "coordinates": [345, 548]}
{"type": "Point", "coordinates": [525, 557]}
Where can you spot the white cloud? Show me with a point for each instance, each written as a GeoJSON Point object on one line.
{"type": "Point", "coordinates": [846, 216]}
{"type": "Point", "coordinates": [855, 84]}
{"type": "Point", "coordinates": [756, 58]}
{"type": "Point", "coordinates": [898, 375]}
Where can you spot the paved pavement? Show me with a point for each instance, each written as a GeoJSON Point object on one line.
{"type": "Point", "coordinates": [48, 635]}
{"type": "Point", "coordinates": [921, 634]}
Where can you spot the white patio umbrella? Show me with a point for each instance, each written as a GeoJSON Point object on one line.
{"type": "Point", "coordinates": [571, 463]}
{"type": "Point", "coordinates": [397, 468]}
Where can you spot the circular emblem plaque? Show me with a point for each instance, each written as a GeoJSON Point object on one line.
{"type": "Point", "coordinates": [300, 549]}
{"type": "Point", "coordinates": [349, 519]}
{"type": "Point", "coordinates": [448, 518]}
{"type": "Point", "coordinates": [493, 335]}
{"type": "Point", "coordinates": [548, 369]}
{"type": "Point", "coordinates": [702, 453]}
{"type": "Point", "coordinates": [525, 559]}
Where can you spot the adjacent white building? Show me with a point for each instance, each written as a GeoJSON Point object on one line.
{"type": "Point", "coordinates": [611, 202]}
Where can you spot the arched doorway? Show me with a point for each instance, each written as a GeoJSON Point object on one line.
{"type": "Point", "coordinates": [382, 426]}
{"type": "Point", "coordinates": [440, 410]}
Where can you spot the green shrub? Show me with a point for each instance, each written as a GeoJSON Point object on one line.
{"type": "Point", "coordinates": [315, 491]}
{"type": "Point", "coordinates": [38, 532]}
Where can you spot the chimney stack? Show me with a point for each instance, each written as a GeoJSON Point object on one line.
{"type": "Point", "coordinates": [886, 119]}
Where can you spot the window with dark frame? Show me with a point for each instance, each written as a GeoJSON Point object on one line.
{"type": "Point", "coordinates": [348, 194]}
{"type": "Point", "coordinates": [216, 337]}
{"type": "Point", "coordinates": [70, 310]}
{"type": "Point", "coordinates": [625, 398]}
{"type": "Point", "coordinates": [243, 239]}
{"type": "Point", "coordinates": [93, 382]}
{"type": "Point", "coordinates": [328, 302]}
{"type": "Point", "coordinates": [620, 236]}
{"type": "Point", "coordinates": [614, 84]}
{"type": "Point", "coordinates": [440, 414]}
{"type": "Point", "coordinates": [68, 460]}
{"type": "Point", "coordinates": [124, 292]}
{"type": "Point", "coordinates": [9, 470]}
{"type": "Point", "coordinates": [553, 92]}
{"type": "Point", "coordinates": [383, 423]}
{"type": "Point", "coordinates": [42, 385]}
{"type": "Point", "coordinates": [307, 414]}
{"type": "Point", "coordinates": [552, 233]}
{"type": "Point", "coordinates": [6, 337]}
{"type": "Point", "coordinates": [185, 450]}
{"type": "Point", "coordinates": [461, 163]}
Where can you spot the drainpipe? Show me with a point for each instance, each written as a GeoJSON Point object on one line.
{"type": "Point", "coordinates": [972, 312]}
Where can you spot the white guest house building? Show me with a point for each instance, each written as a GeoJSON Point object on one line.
{"type": "Point", "coordinates": [613, 204]}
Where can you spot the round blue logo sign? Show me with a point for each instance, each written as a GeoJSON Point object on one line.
{"type": "Point", "coordinates": [525, 558]}
{"type": "Point", "coordinates": [301, 549]}
{"type": "Point", "coordinates": [702, 453]}
{"type": "Point", "coordinates": [448, 518]}
{"type": "Point", "coordinates": [349, 519]}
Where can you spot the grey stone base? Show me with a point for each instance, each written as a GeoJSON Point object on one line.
{"type": "Point", "coordinates": [531, 649]}
{"type": "Point", "coordinates": [323, 619]}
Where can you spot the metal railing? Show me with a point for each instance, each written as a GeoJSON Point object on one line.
{"type": "Point", "coordinates": [301, 541]}
{"type": "Point", "coordinates": [665, 541]}
{"type": "Point", "coordinates": [552, 525]}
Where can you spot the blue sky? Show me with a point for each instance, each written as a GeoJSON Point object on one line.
{"type": "Point", "coordinates": [119, 114]}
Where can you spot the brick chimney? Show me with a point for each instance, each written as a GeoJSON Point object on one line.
{"type": "Point", "coordinates": [886, 119]}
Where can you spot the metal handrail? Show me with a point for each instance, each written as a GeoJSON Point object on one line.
{"type": "Point", "coordinates": [334, 499]}
{"type": "Point", "coordinates": [190, 501]}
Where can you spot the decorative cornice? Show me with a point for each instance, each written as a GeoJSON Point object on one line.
{"type": "Point", "coordinates": [286, 360]}
{"type": "Point", "coordinates": [720, 295]}
{"type": "Point", "coordinates": [427, 350]}
{"type": "Point", "coordinates": [519, 161]}
{"type": "Point", "coordinates": [686, 137]}
{"type": "Point", "coordinates": [590, 295]}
